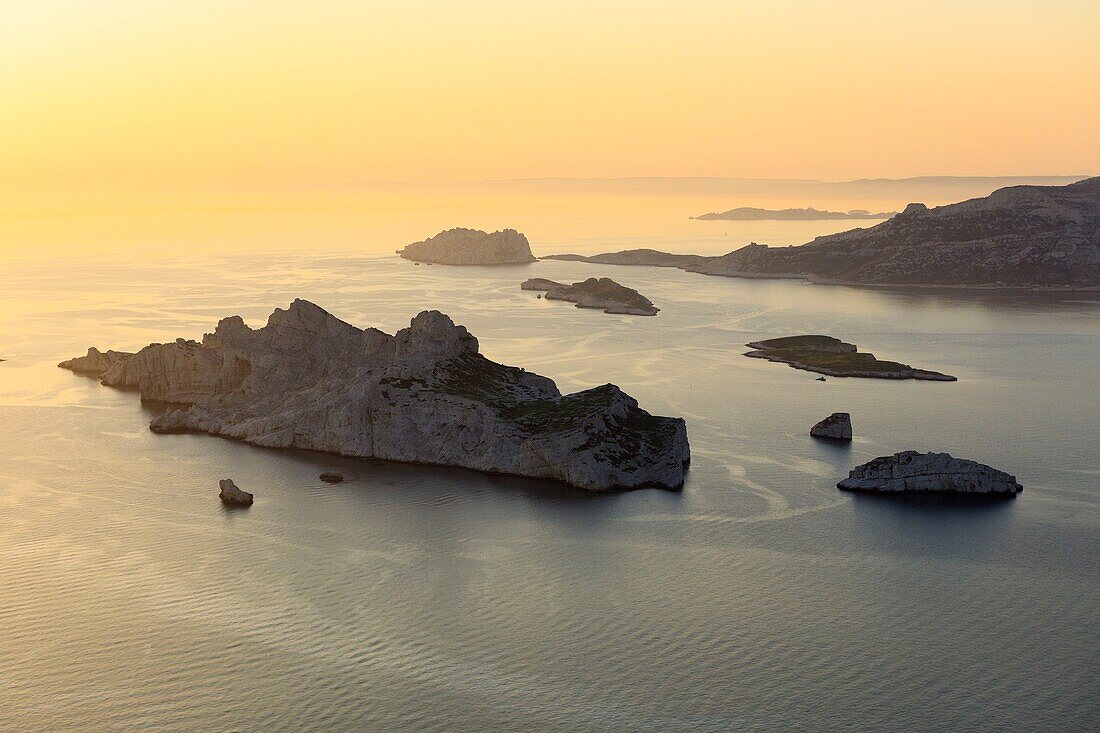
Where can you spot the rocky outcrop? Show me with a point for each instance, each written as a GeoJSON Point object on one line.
{"type": "Point", "coordinates": [750, 213]}
{"type": "Point", "coordinates": [471, 247]}
{"type": "Point", "coordinates": [911, 471]}
{"type": "Point", "coordinates": [828, 355]}
{"type": "Point", "coordinates": [601, 293]}
{"type": "Point", "coordinates": [837, 426]}
{"type": "Point", "coordinates": [423, 395]}
{"type": "Point", "coordinates": [95, 362]}
{"type": "Point", "coordinates": [1021, 236]}
{"type": "Point", "coordinates": [233, 496]}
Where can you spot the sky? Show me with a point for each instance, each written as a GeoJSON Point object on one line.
{"type": "Point", "coordinates": [273, 93]}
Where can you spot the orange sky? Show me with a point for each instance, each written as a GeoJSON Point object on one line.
{"type": "Point", "coordinates": [195, 93]}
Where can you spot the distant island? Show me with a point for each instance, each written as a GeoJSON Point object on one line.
{"type": "Point", "coordinates": [829, 355]}
{"type": "Point", "coordinates": [423, 395]}
{"type": "Point", "coordinates": [750, 213]}
{"type": "Point", "coordinates": [601, 293]}
{"type": "Point", "coordinates": [471, 247]}
{"type": "Point", "coordinates": [1021, 236]}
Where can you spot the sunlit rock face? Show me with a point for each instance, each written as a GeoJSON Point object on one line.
{"type": "Point", "coordinates": [424, 395]}
{"type": "Point", "coordinates": [471, 247]}
{"type": "Point", "coordinates": [911, 471]}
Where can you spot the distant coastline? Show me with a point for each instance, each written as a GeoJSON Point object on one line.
{"type": "Point", "coordinates": [1020, 236]}
{"type": "Point", "coordinates": [752, 213]}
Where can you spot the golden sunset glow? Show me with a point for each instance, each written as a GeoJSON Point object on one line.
{"type": "Point", "coordinates": [131, 93]}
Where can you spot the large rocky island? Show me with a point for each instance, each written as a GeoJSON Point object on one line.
{"type": "Point", "coordinates": [751, 213]}
{"type": "Point", "coordinates": [600, 293]}
{"type": "Point", "coordinates": [829, 355]}
{"type": "Point", "coordinates": [1021, 236]}
{"type": "Point", "coordinates": [423, 395]}
{"type": "Point", "coordinates": [471, 247]}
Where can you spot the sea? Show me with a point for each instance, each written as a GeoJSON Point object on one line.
{"type": "Point", "coordinates": [411, 598]}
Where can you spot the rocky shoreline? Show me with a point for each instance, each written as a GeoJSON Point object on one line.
{"type": "Point", "coordinates": [1020, 237]}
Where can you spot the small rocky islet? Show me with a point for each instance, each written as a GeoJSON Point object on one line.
{"type": "Point", "coordinates": [837, 426]}
{"type": "Point", "coordinates": [423, 395]}
{"type": "Point", "coordinates": [913, 472]}
{"type": "Point", "coordinates": [836, 358]}
{"type": "Point", "coordinates": [233, 496]}
{"type": "Point", "coordinates": [600, 293]}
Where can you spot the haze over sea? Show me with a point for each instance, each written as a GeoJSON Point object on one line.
{"type": "Point", "coordinates": [414, 598]}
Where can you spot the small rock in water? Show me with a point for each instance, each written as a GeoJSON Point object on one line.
{"type": "Point", "coordinates": [332, 477]}
{"type": "Point", "coordinates": [820, 379]}
{"type": "Point", "coordinates": [233, 496]}
{"type": "Point", "coordinates": [837, 426]}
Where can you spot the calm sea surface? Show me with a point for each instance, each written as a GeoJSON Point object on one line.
{"type": "Point", "coordinates": [410, 598]}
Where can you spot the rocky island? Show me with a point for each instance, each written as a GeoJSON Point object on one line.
{"type": "Point", "coordinates": [828, 355]}
{"type": "Point", "coordinates": [601, 293]}
{"type": "Point", "coordinates": [471, 247]}
{"type": "Point", "coordinates": [911, 471]}
{"type": "Point", "coordinates": [751, 213]}
{"type": "Point", "coordinates": [423, 395]}
{"type": "Point", "coordinates": [837, 426]}
{"type": "Point", "coordinates": [1020, 236]}
{"type": "Point", "coordinates": [232, 495]}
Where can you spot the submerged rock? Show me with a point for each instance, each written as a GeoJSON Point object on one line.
{"type": "Point", "coordinates": [601, 293]}
{"type": "Point", "coordinates": [837, 426]}
{"type": "Point", "coordinates": [929, 472]}
{"type": "Point", "coordinates": [471, 247]}
{"type": "Point", "coordinates": [332, 477]}
{"type": "Point", "coordinates": [424, 395]}
{"type": "Point", "coordinates": [233, 496]}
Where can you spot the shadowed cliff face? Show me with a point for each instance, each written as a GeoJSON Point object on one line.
{"type": "Point", "coordinates": [424, 395]}
{"type": "Point", "coordinates": [1017, 236]}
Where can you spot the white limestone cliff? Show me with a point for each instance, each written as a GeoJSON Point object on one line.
{"type": "Point", "coordinates": [424, 395]}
